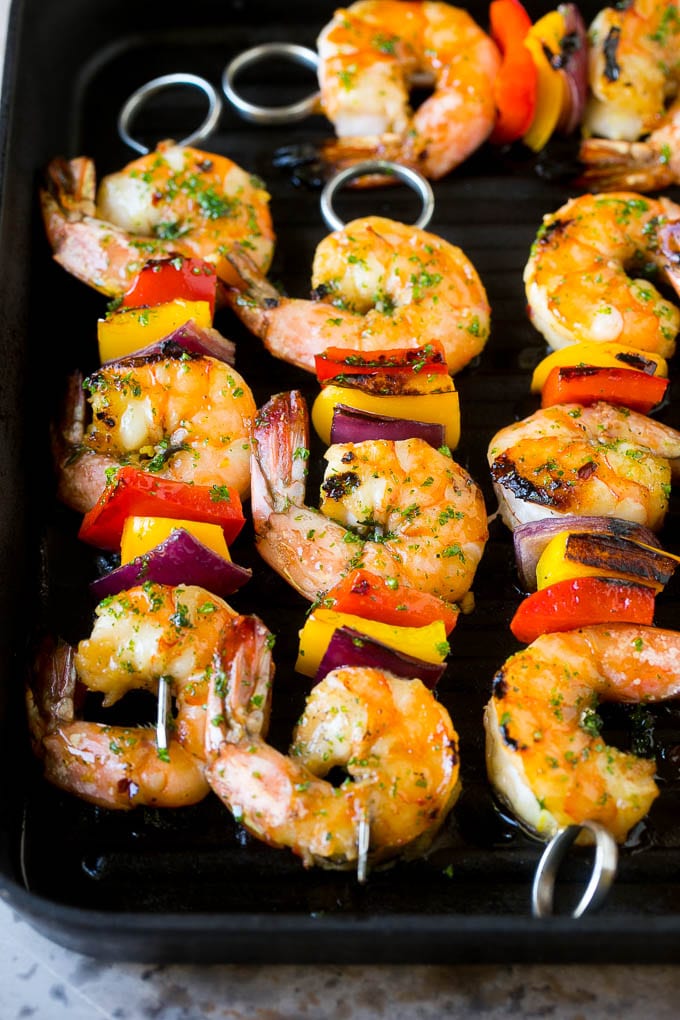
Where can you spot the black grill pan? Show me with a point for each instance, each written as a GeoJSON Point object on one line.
{"type": "Point", "coordinates": [189, 884]}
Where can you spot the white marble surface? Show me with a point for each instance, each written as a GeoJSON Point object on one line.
{"type": "Point", "coordinates": [42, 981]}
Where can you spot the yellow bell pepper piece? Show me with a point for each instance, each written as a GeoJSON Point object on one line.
{"type": "Point", "coordinates": [552, 90]}
{"type": "Point", "coordinates": [599, 355]}
{"type": "Point", "coordinates": [129, 329]}
{"type": "Point", "coordinates": [427, 643]}
{"type": "Point", "coordinates": [439, 408]}
{"type": "Point", "coordinates": [141, 534]}
{"type": "Point", "coordinates": [555, 565]}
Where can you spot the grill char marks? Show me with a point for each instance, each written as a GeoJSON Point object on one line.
{"type": "Point", "coordinates": [553, 491]}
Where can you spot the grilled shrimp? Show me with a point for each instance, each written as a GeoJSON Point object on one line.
{"type": "Point", "coordinates": [545, 755]}
{"type": "Point", "coordinates": [376, 284]}
{"type": "Point", "coordinates": [402, 509]}
{"type": "Point", "coordinates": [600, 460]}
{"type": "Point", "coordinates": [369, 54]}
{"type": "Point", "coordinates": [117, 767]}
{"type": "Point", "coordinates": [633, 68]}
{"type": "Point", "coordinates": [154, 630]}
{"type": "Point", "coordinates": [395, 741]}
{"type": "Point", "coordinates": [184, 634]}
{"type": "Point", "coordinates": [176, 200]}
{"type": "Point", "coordinates": [577, 278]}
{"type": "Point", "coordinates": [185, 417]}
{"type": "Point", "coordinates": [648, 165]}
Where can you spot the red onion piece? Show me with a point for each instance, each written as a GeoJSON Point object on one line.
{"type": "Point", "coordinates": [530, 539]}
{"type": "Point", "coordinates": [353, 426]}
{"type": "Point", "coordinates": [349, 647]}
{"type": "Point", "coordinates": [180, 559]}
{"type": "Point", "coordinates": [575, 67]}
{"type": "Point", "coordinates": [191, 338]}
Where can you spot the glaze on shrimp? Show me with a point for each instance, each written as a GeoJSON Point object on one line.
{"type": "Point", "coordinates": [634, 71]}
{"type": "Point", "coordinates": [185, 635]}
{"type": "Point", "coordinates": [376, 284]}
{"type": "Point", "coordinates": [176, 200]}
{"type": "Point", "coordinates": [586, 277]}
{"type": "Point", "coordinates": [402, 509]}
{"type": "Point", "coordinates": [186, 418]}
{"type": "Point", "coordinates": [116, 767]}
{"type": "Point", "coordinates": [155, 630]}
{"type": "Point", "coordinates": [369, 55]}
{"type": "Point", "coordinates": [393, 738]}
{"type": "Point", "coordinates": [545, 755]}
{"type": "Point", "coordinates": [592, 461]}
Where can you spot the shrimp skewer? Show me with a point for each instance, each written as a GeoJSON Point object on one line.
{"type": "Point", "coordinates": [545, 755]}
{"type": "Point", "coordinates": [185, 635]}
{"type": "Point", "coordinates": [376, 284]}
{"type": "Point", "coordinates": [176, 200]}
{"type": "Point", "coordinates": [117, 767]}
{"type": "Point", "coordinates": [369, 54]}
{"type": "Point", "coordinates": [396, 742]}
{"type": "Point", "coordinates": [583, 278]}
{"type": "Point", "coordinates": [185, 417]}
{"type": "Point", "coordinates": [152, 631]}
{"type": "Point", "coordinates": [593, 461]}
{"type": "Point", "coordinates": [402, 509]}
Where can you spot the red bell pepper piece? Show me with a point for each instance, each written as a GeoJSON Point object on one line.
{"type": "Point", "coordinates": [580, 602]}
{"type": "Point", "coordinates": [339, 361]}
{"type": "Point", "coordinates": [365, 594]}
{"type": "Point", "coordinates": [585, 384]}
{"type": "Point", "coordinates": [162, 280]}
{"type": "Point", "coordinates": [516, 83]}
{"type": "Point", "coordinates": [135, 493]}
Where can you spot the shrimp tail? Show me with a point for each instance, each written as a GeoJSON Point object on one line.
{"type": "Point", "coordinates": [81, 473]}
{"type": "Point", "coordinates": [250, 294]}
{"type": "Point", "coordinates": [51, 689]}
{"type": "Point", "coordinates": [613, 165]}
{"type": "Point", "coordinates": [300, 543]}
{"type": "Point", "coordinates": [315, 164]}
{"type": "Point", "coordinates": [269, 315]}
{"type": "Point", "coordinates": [340, 153]}
{"type": "Point", "coordinates": [73, 230]}
{"type": "Point", "coordinates": [70, 431]}
{"type": "Point", "coordinates": [279, 457]}
{"type": "Point", "coordinates": [70, 188]}
{"type": "Point", "coordinates": [290, 329]}
{"type": "Point", "coordinates": [239, 705]}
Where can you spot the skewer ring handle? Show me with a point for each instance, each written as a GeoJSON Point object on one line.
{"type": "Point", "coordinates": [413, 178]}
{"type": "Point", "coordinates": [133, 104]}
{"type": "Point", "coordinates": [601, 878]}
{"type": "Point", "coordinates": [270, 114]}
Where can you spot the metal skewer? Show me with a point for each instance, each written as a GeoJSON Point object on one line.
{"type": "Point", "coordinates": [270, 114]}
{"type": "Point", "coordinates": [163, 714]}
{"type": "Point", "coordinates": [602, 876]}
{"type": "Point", "coordinates": [387, 168]}
{"type": "Point", "coordinates": [363, 841]}
{"type": "Point", "coordinates": [134, 103]}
